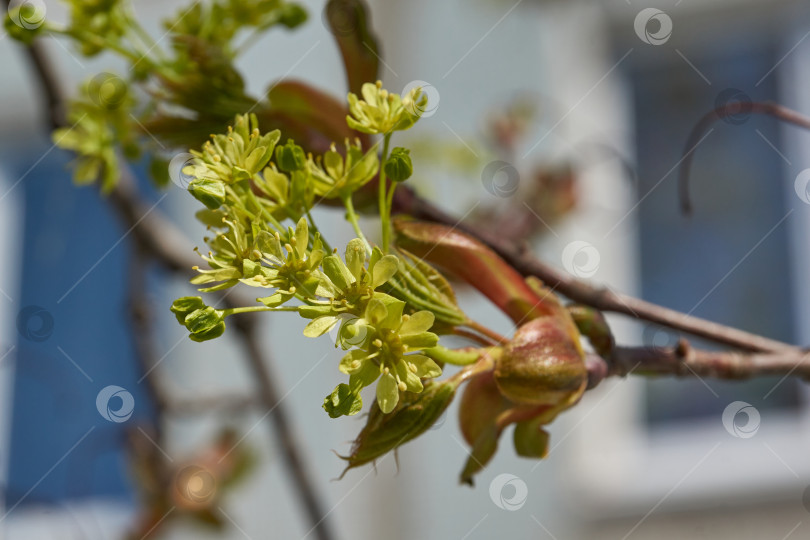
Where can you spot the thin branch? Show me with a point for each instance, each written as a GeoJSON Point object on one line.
{"type": "Point", "coordinates": [771, 109]}
{"type": "Point", "coordinates": [407, 201]}
{"type": "Point", "coordinates": [683, 360]}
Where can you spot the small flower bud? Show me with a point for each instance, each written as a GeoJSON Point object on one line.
{"type": "Point", "coordinates": [290, 157]}
{"type": "Point", "coordinates": [398, 166]}
{"type": "Point", "coordinates": [208, 191]}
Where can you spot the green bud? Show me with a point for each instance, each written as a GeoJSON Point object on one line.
{"type": "Point", "coordinates": [398, 166]}
{"type": "Point", "coordinates": [183, 306]}
{"type": "Point", "coordinates": [530, 439]}
{"type": "Point", "coordinates": [342, 402]}
{"type": "Point", "coordinates": [202, 320]}
{"type": "Point", "coordinates": [208, 191]}
{"type": "Point", "coordinates": [213, 333]}
{"type": "Point", "coordinates": [542, 365]}
{"type": "Point", "coordinates": [293, 15]}
{"type": "Point", "coordinates": [290, 157]}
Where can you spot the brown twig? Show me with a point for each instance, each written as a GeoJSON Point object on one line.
{"type": "Point", "coordinates": [407, 201]}
{"type": "Point", "coordinates": [685, 361]}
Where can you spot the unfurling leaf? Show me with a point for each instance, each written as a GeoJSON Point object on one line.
{"type": "Point", "coordinates": [413, 416]}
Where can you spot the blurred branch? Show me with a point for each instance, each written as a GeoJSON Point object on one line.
{"type": "Point", "coordinates": [163, 242]}
{"type": "Point", "coordinates": [736, 108]}
{"type": "Point", "coordinates": [518, 256]}
{"type": "Point", "coordinates": [685, 361]}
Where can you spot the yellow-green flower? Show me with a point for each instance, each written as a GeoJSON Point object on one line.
{"type": "Point", "coordinates": [383, 112]}
{"type": "Point", "coordinates": [392, 340]}
{"type": "Point", "coordinates": [334, 176]}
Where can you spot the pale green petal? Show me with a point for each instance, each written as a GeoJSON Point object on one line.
{"type": "Point", "coordinates": [365, 376]}
{"type": "Point", "coordinates": [425, 367]}
{"type": "Point", "coordinates": [376, 312]}
{"type": "Point", "coordinates": [387, 393]}
{"type": "Point", "coordinates": [383, 270]}
{"type": "Point", "coordinates": [425, 340]}
{"type": "Point", "coordinates": [337, 272]}
{"type": "Point", "coordinates": [301, 237]}
{"type": "Point", "coordinates": [320, 326]}
{"type": "Point", "coordinates": [352, 362]}
{"type": "Point", "coordinates": [410, 378]}
{"type": "Point", "coordinates": [419, 322]}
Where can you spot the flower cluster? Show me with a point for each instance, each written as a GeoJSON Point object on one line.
{"type": "Point", "coordinates": [250, 186]}
{"type": "Point", "coordinates": [383, 112]}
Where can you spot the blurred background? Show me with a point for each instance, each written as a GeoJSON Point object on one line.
{"type": "Point", "coordinates": [591, 103]}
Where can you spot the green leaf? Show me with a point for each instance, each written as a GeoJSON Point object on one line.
{"type": "Point", "coordinates": [414, 416]}
{"type": "Point", "coordinates": [342, 402]}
